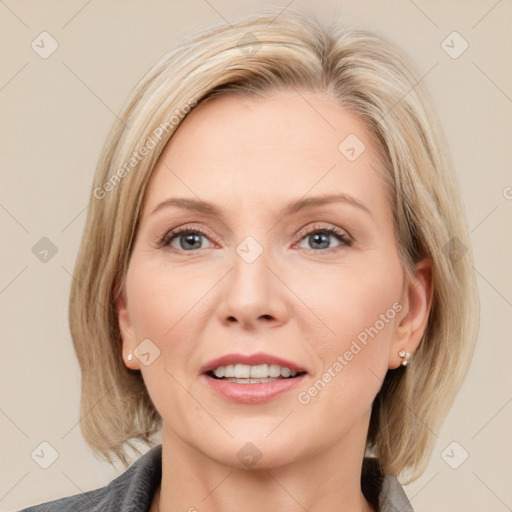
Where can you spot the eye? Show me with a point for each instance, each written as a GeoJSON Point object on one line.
{"type": "Point", "coordinates": [190, 239]}
{"type": "Point", "coordinates": [187, 239]}
{"type": "Point", "coordinates": [319, 237]}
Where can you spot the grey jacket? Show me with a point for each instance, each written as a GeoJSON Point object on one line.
{"type": "Point", "coordinates": [133, 490]}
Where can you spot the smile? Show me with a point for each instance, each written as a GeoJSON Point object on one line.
{"type": "Point", "coordinates": [246, 374]}
{"type": "Point", "coordinates": [252, 393]}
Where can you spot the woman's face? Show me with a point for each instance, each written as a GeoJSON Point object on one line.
{"type": "Point", "coordinates": [286, 250]}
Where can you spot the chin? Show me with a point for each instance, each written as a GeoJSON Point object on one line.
{"type": "Point", "coordinates": [254, 455]}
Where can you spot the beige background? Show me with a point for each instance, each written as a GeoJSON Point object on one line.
{"type": "Point", "coordinates": [56, 113]}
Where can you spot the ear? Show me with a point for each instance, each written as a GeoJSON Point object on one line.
{"type": "Point", "coordinates": [417, 303]}
{"type": "Point", "coordinates": [126, 329]}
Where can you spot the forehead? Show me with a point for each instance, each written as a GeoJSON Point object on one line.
{"type": "Point", "coordinates": [236, 150]}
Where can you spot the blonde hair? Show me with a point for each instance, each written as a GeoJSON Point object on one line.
{"type": "Point", "coordinates": [255, 55]}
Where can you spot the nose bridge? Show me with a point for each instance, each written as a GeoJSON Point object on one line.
{"type": "Point", "coordinates": [253, 293]}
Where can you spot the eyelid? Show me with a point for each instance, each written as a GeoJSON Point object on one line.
{"type": "Point", "coordinates": [319, 226]}
{"type": "Point", "coordinates": [164, 241]}
{"type": "Point", "coordinates": [344, 237]}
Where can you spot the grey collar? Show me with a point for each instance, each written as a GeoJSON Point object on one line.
{"type": "Point", "coordinates": [383, 491]}
{"type": "Point", "coordinates": [133, 490]}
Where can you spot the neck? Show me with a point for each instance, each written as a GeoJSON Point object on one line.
{"type": "Point", "coordinates": [329, 480]}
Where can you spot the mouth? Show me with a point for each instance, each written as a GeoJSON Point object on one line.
{"type": "Point", "coordinates": [255, 374]}
{"type": "Point", "coordinates": [251, 379]}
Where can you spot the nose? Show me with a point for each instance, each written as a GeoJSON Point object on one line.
{"type": "Point", "coordinates": [253, 293]}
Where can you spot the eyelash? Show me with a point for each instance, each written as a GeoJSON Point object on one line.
{"type": "Point", "coordinates": [174, 233]}
{"type": "Point", "coordinates": [340, 235]}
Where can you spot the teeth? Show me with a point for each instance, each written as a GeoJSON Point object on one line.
{"type": "Point", "coordinates": [220, 371]}
{"type": "Point", "coordinates": [274, 370]}
{"type": "Point", "coordinates": [285, 372]}
{"type": "Point", "coordinates": [262, 371]}
{"type": "Point", "coordinates": [259, 372]}
{"type": "Point", "coordinates": [250, 381]}
{"type": "Point", "coordinates": [242, 371]}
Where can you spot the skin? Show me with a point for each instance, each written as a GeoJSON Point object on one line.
{"type": "Point", "coordinates": [301, 299]}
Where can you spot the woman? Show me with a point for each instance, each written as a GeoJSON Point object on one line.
{"type": "Point", "coordinates": [276, 272]}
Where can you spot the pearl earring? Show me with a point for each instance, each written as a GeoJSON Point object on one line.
{"type": "Point", "coordinates": [405, 356]}
{"type": "Point", "coordinates": [130, 356]}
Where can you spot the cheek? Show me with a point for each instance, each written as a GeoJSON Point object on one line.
{"type": "Point", "coordinates": [348, 301]}
{"type": "Point", "coordinates": [160, 298]}
{"type": "Point", "coordinates": [161, 308]}
{"type": "Point", "coordinates": [358, 309]}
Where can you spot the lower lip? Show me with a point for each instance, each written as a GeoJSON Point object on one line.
{"type": "Point", "coordinates": [252, 393]}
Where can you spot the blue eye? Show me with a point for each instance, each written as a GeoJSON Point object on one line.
{"type": "Point", "coordinates": [188, 239]}
{"type": "Point", "coordinates": [191, 239]}
{"type": "Point", "coordinates": [320, 237]}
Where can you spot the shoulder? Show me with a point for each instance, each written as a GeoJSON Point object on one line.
{"type": "Point", "coordinates": [132, 490]}
{"type": "Point", "coordinates": [383, 491]}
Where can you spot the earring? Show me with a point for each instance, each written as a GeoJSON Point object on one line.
{"type": "Point", "coordinates": [130, 356]}
{"type": "Point", "coordinates": [405, 356]}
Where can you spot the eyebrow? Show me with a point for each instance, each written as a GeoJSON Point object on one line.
{"type": "Point", "coordinates": [294, 207]}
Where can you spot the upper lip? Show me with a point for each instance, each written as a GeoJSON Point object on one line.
{"type": "Point", "coordinates": [251, 360]}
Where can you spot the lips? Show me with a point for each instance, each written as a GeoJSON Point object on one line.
{"type": "Point", "coordinates": [252, 390]}
{"type": "Point", "coordinates": [251, 360]}
{"type": "Point", "coordinates": [253, 394]}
